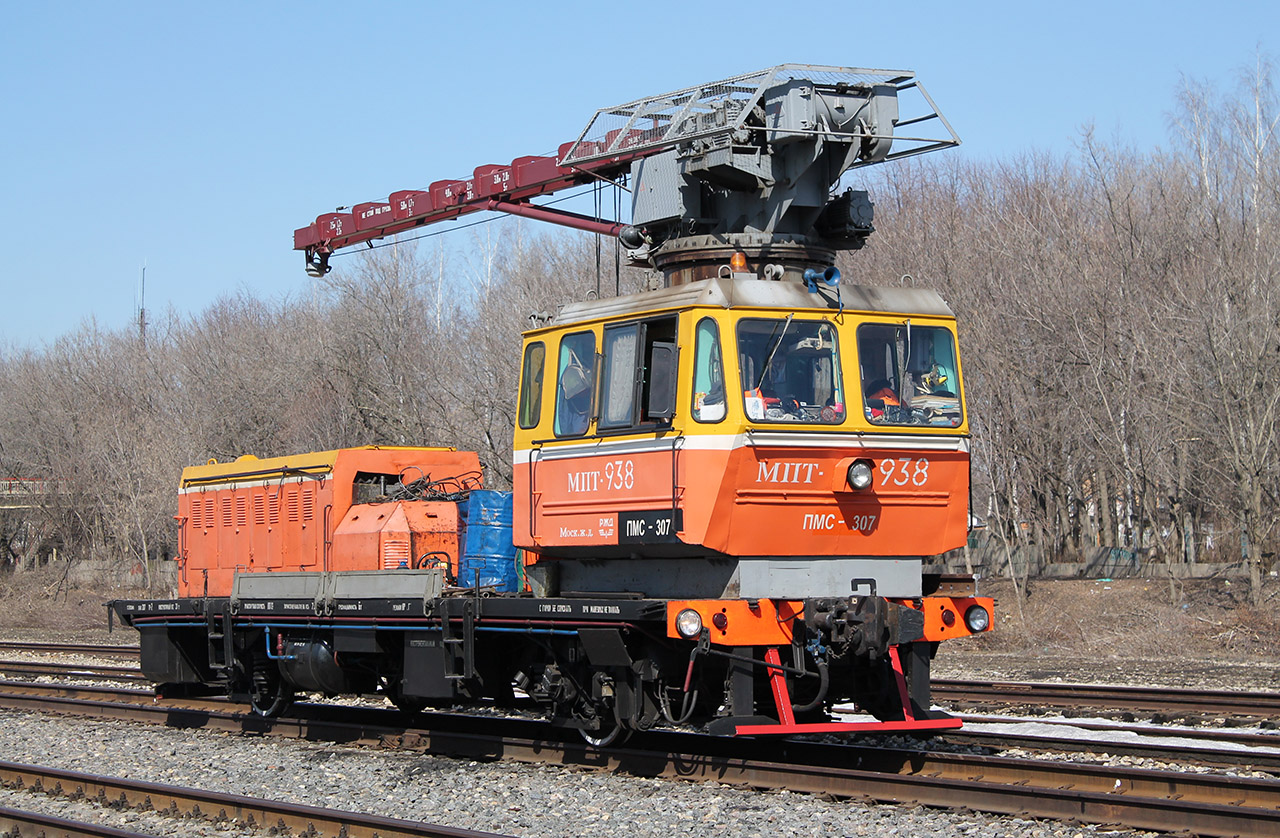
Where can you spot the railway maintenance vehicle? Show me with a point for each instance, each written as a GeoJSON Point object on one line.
{"type": "Point", "coordinates": [725, 486]}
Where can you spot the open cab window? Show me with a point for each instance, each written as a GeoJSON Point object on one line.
{"type": "Point", "coordinates": [909, 375]}
{"type": "Point", "coordinates": [638, 374]}
{"type": "Point", "coordinates": [531, 384]}
{"type": "Point", "coordinates": [790, 371]}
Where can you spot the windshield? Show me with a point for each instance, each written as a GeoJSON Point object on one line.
{"type": "Point", "coordinates": [790, 371]}
{"type": "Point", "coordinates": [909, 374]}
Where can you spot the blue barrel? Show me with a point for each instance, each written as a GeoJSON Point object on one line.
{"type": "Point", "coordinates": [489, 557]}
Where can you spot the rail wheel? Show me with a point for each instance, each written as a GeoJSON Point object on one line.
{"type": "Point", "coordinates": [410, 705]}
{"type": "Point", "coordinates": [601, 712]}
{"type": "Point", "coordinates": [270, 695]}
{"type": "Point", "coordinates": [610, 732]}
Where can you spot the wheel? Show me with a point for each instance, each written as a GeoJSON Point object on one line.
{"type": "Point", "coordinates": [270, 696]}
{"type": "Point", "coordinates": [604, 738]}
{"type": "Point", "coordinates": [410, 705]}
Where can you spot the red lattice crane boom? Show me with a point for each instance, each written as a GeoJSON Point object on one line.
{"type": "Point", "coordinates": [773, 142]}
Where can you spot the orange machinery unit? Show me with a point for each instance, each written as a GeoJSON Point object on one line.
{"type": "Point", "coordinates": [322, 511]}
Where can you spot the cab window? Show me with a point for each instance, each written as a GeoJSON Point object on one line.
{"type": "Point", "coordinates": [618, 392]}
{"type": "Point", "coordinates": [531, 384]}
{"type": "Point", "coordinates": [909, 375]}
{"type": "Point", "coordinates": [575, 383]}
{"type": "Point", "coordinates": [708, 373]}
{"type": "Point", "coordinates": [629, 373]}
{"type": "Point", "coordinates": [790, 371]}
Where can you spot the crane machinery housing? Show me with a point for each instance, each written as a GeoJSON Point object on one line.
{"type": "Point", "coordinates": [724, 487]}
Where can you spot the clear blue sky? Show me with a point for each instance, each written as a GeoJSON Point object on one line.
{"type": "Point", "coordinates": [197, 137]}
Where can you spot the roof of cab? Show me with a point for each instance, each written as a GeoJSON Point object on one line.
{"type": "Point", "coordinates": [756, 293]}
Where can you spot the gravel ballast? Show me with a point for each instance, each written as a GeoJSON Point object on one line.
{"type": "Point", "coordinates": [510, 798]}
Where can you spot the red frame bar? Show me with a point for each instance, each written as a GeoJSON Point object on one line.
{"type": "Point", "coordinates": [846, 727]}
{"type": "Point", "coordinates": [781, 695]}
{"type": "Point", "coordinates": [561, 217]}
{"type": "Point", "coordinates": [786, 716]}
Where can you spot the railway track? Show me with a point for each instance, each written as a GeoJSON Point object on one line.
{"type": "Point", "coordinates": [1163, 701]}
{"type": "Point", "coordinates": [96, 672]}
{"type": "Point", "coordinates": [179, 801]}
{"type": "Point", "coordinates": [1209, 747]}
{"type": "Point", "coordinates": [87, 649]}
{"type": "Point", "coordinates": [1209, 751]}
{"type": "Point", "coordinates": [1243, 749]}
{"type": "Point", "coordinates": [1154, 699]}
{"type": "Point", "coordinates": [1206, 804]}
{"type": "Point", "coordinates": [1159, 700]}
{"type": "Point", "coordinates": [22, 822]}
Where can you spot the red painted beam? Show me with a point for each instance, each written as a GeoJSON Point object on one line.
{"type": "Point", "coordinates": [561, 217]}
{"type": "Point", "coordinates": [371, 216]}
{"type": "Point", "coordinates": [847, 727]}
{"type": "Point", "coordinates": [511, 186]}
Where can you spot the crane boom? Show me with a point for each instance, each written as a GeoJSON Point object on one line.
{"type": "Point", "coordinates": [756, 154]}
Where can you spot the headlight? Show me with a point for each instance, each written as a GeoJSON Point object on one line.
{"type": "Point", "coordinates": [689, 623]}
{"type": "Point", "coordinates": [860, 474]}
{"type": "Point", "coordinates": [977, 618]}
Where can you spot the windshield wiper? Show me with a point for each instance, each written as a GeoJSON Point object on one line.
{"type": "Point", "coordinates": [769, 361]}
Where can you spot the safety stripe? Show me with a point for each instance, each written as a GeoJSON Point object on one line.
{"type": "Point", "coordinates": [754, 439]}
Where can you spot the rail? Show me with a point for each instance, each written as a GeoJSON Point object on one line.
{"type": "Point", "coordinates": [180, 801]}
{"type": "Point", "coordinates": [1205, 804]}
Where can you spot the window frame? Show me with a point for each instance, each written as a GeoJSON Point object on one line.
{"type": "Point", "coordinates": [640, 371]}
{"type": "Point", "coordinates": [902, 370]}
{"type": "Point", "coordinates": [837, 371]}
{"type": "Point", "coordinates": [608, 341]}
{"type": "Point", "coordinates": [589, 364]}
{"type": "Point", "coordinates": [717, 358]}
{"type": "Point", "coordinates": [524, 412]}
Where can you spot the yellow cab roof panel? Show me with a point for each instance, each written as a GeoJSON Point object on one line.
{"type": "Point", "coordinates": [757, 293]}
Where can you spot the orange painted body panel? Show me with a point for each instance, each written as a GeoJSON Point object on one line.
{"type": "Point", "coordinates": [576, 500]}
{"type": "Point", "coordinates": [436, 529]}
{"type": "Point", "coordinates": [934, 608]}
{"type": "Point", "coordinates": [765, 622]}
{"type": "Point", "coordinates": [257, 528]}
{"type": "Point", "coordinates": [404, 534]}
{"type": "Point", "coordinates": [782, 503]}
{"type": "Point", "coordinates": [752, 500]}
{"type": "Point", "coordinates": [770, 622]}
{"type": "Point", "coordinates": [280, 514]}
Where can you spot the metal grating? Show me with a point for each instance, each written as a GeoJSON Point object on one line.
{"type": "Point", "coordinates": [719, 108]}
{"type": "Point", "coordinates": [395, 553]}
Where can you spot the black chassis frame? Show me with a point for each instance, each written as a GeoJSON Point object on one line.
{"type": "Point", "coordinates": [192, 641]}
{"type": "Point", "coordinates": [180, 640]}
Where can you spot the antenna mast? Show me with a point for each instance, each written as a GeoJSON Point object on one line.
{"type": "Point", "coordinates": [142, 306]}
